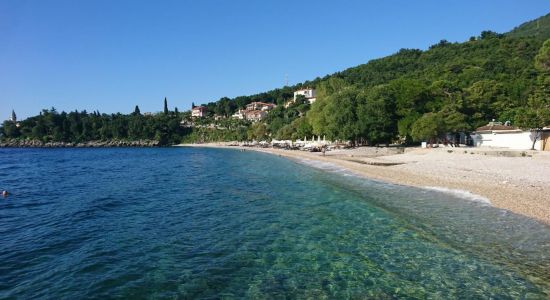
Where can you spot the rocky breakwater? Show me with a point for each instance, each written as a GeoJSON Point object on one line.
{"type": "Point", "coordinates": [88, 144]}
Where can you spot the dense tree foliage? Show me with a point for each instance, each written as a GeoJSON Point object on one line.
{"type": "Point", "coordinates": [539, 28]}
{"type": "Point", "coordinates": [211, 130]}
{"type": "Point", "coordinates": [81, 126]}
{"type": "Point", "coordinates": [448, 88]}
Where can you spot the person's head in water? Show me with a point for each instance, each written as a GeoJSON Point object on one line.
{"type": "Point", "coordinates": [4, 193]}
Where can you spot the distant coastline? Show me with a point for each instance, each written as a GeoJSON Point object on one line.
{"type": "Point", "coordinates": [14, 143]}
{"type": "Point", "coordinates": [518, 184]}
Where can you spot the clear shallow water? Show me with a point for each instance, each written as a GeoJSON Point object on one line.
{"type": "Point", "coordinates": [211, 223]}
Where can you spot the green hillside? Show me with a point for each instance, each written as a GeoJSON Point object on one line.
{"type": "Point", "coordinates": [539, 28]}
{"type": "Point", "coordinates": [416, 95]}
{"type": "Point", "coordinates": [409, 96]}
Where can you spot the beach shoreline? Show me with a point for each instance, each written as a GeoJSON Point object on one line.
{"type": "Point", "coordinates": [518, 184]}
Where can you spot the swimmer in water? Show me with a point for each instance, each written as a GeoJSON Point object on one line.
{"type": "Point", "coordinates": [4, 194]}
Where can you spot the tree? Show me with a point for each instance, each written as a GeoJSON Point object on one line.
{"type": "Point", "coordinates": [411, 96]}
{"type": "Point", "coordinates": [428, 127]}
{"type": "Point", "coordinates": [10, 129]}
{"type": "Point", "coordinates": [483, 99]}
{"type": "Point", "coordinates": [535, 116]}
{"type": "Point", "coordinates": [454, 121]}
{"type": "Point", "coordinates": [165, 106]}
{"type": "Point", "coordinates": [300, 128]}
{"type": "Point", "coordinates": [542, 60]}
{"type": "Point", "coordinates": [537, 113]}
{"type": "Point", "coordinates": [487, 34]}
{"type": "Point", "coordinates": [317, 115]}
{"type": "Point", "coordinates": [135, 128]}
{"type": "Point", "coordinates": [376, 115]}
{"type": "Point", "coordinates": [258, 132]}
{"type": "Point", "coordinates": [404, 126]}
{"type": "Point", "coordinates": [39, 130]}
{"type": "Point", "coordinates": [341, 117]}
{"type": "Point", "coordinates": [137, 112]}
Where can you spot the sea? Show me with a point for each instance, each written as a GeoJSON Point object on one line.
{"type": "Point", "coordinates": [202, 223]}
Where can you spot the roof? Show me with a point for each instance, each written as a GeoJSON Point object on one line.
{"type": "Point", "coordinates": [250, 112]}
{"type": "Point", "coordinates": [261, 103]}
{"type": "Point", "coordinates": [199, 108]}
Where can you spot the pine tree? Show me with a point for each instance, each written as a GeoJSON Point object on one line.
{"type": "Point", "coordinates": [137, 112]}
{"type": "Point", "coordinates": [165, 106]}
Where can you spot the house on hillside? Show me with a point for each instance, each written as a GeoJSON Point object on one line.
{"type": "Point", "coordinates": [238, 115]}
{"type": "Point", "coordinates": [198, 111]}
{"type": "Point", "coordinates": [254, 111]}
{"type": "Point", "coordinates": [497, 134]}
{"type": "Point", "coordinates": [255, 115]}
{"type": "Point", "coordinates": [260, 106]}
{"type": "Point", "coordinates": [309, 93]}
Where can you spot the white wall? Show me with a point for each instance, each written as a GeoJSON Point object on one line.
{"type": "Point", "coordinates": [521, 140]}
{"type": "Point", "coordinates": [308, 93]}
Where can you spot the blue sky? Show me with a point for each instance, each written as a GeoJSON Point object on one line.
{"type": "Point", "coordinates": [112, 55]}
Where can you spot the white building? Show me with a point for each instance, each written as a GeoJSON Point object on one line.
{"type": "Point", "coordinates": [260, 106]}
{"type": "Point", "coordinates": [495, 134]}
{"type": "Point", "coordinates": [238, 115]}
{"type": "Point", "coordinates": [254, 111]}
{"type": "Point", "coordinates": [198, 111]}
{"type": "Point", "coordinates": [254, 115]}
{"type": "Point", "coordinates": [309, 93]}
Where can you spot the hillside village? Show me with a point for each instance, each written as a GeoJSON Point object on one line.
{"type": "Point", "coordinates": [257, 110]}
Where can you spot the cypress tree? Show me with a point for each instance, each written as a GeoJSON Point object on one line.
{"type": "Point", "coordinates": [165, 106]}
{"type": "Point", "coordinates": [137, 112]}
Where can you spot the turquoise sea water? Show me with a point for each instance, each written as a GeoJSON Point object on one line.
{"type": "Point", "coordinates": [213, 223]}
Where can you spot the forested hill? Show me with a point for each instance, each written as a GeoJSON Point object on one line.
{"type": "Point", "coordinates": [404, 63]}
{"type": "Point", "coordinates": [417, 95]}
{"type": "Point", "coordinates": [409, 96]}
{"type": "Point", "coordinates": [539, 28]}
